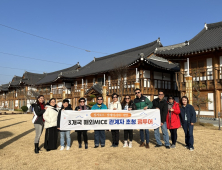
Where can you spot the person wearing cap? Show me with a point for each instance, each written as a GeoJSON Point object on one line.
{"type": "Point", "coordinates": [115, 105]}
{"type": "Point", "coordinates": [144, 103]}
{"type": "Point", "coordinates": [173, 119]}
{"type": "Point", "coordinates": [63, 133]}
{"type": "Point", "coordinates": [99, 135]}
{"type": "Point", "coordinates": [82, 106]}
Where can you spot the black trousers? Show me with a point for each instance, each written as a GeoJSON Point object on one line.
{"type": "Point", "coordinates": [128, 133]}
{"type": "Point", "coordinates": [173, 133]}
{"type": "Point", "coordinates": [79, 136]}
{"type": "Point", "coordinates": [115, 136]}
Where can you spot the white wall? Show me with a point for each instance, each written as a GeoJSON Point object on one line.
{"type": "Point", "coordinates": [209, 68]}
{"type": "Point", "coordinates": [211, 98]}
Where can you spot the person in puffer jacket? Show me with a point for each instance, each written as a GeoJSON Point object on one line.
{"type": "Point", "coordinates": [173, 119]}
{"type": "Point", "coordinates": [51, 134]}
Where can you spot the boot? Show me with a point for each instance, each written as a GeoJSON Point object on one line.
{"type": "Point", "coordinates": [86, 145]}
{"type": "Point", "coordinates": [142, 144]}
{"type": "Point", "coordinates": [80, 145]}
{"type": "Point", "coordinates": [36, 148]}
{"type": "Point", "coordinates": [147, 146]}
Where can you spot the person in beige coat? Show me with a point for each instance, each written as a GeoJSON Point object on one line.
{"type": "Point", "coordinates": [51, 133]}
{"type": "Point", "coordinates": [115, 105]}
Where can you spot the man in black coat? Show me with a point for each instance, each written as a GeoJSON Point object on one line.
{"type": "Point", "coordinates": [161, 104]}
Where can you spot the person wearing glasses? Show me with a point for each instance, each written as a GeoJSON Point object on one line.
{"type": "Point", "coordinates": [115, 105]}
{"type": "Point", "coordinates": [128, 104]}
{"type": "Point", "coordinates": [187, 118]}
{"type": "Point", "coordinates": [144, 103]}
{"type": "Point", "coordinates": [161, 104]}
{"type": "Point", "coordinates": [82, 106]}
{"type": "Point", "coordinates": [99, 135]}
{"type": "Point", "coordinates": [51, 133]}
{"type": "Point", "coordinates": [173, 119]}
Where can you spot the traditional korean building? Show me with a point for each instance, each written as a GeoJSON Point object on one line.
{"type": "Point", "coordinates": [121, 73]}
{"type": "Point", "coordinates": [204, 64]}
{"type": "Point", "coordinates": [3, 96]}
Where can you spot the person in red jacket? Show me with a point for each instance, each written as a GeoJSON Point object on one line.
{"type": "Point", "coordinates": [173, 119]}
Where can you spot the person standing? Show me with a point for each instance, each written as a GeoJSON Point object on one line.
{"type": "Point", "coordinates": [99, 135]}
{"type": "Point", "coordinates": [38, 110]}
{"type": "Point", "coordinates": [128, 104]}
{"type": "Point", "coordinates": [143, 102]}
{"type": "Point", "coordinates": [115, 105]}
{"type": "Point", "coordinates": [82, 106]}
{"type": "Point", "coordinates": [51, 134]}
{"type": "Point", "coordinates": [161, 104]}
{"type": "Point", "coordinates": [188, 118]}
{"type": "Point", "coordinates": [63, 133]}
{"type": "Point", "coordinates": [173, 119]}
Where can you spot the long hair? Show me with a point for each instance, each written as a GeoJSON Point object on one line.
{"type": "Point", "coordinates": [37, 100]}
{"type": "Point", "coordinates": [124, 100]}
{"type": "Point", "coordinates": [170, 96]}
{"type": "Point", "coordinates": [184, 97]}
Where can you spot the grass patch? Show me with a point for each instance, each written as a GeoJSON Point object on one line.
{"type": "Point", "coordinates": [203, 124]}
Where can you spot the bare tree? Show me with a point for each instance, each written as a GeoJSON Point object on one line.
{"type": "Point", "coordinates": [119, 73]}
{"type": "Point", "coordinates": [197, 86]}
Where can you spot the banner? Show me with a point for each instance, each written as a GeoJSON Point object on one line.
{"type": "Point", "coordinates": [109, 119]}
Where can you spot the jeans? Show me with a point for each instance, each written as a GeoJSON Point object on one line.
{"type": "Point", "coordinates": [62, 138]}
{"type": "Point", "coordinates": [173, 133]}
{"type": "Point", "coordinates": [99, 135]}
{"type": "Point", "coordinates": [188, 130]}
{"type": "Point", "coordinates": [38, 132]}
{"type": "Point", "coordinates": [165, 135]}
{"type": "Point", "coordinates": [142, 135]}
{"type": "Point", "coordinates": [128, 133]}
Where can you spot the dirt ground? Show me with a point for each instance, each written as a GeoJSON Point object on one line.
{"type": "Point", "coordinates": [17, 150]}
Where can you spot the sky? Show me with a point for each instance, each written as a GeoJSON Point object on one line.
{"type": "Point", "coordinates": [100, 26]}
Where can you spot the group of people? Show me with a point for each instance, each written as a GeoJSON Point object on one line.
{"type": "Point", "coordinates": [172, 117]}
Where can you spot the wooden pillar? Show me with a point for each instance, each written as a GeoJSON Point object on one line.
{"type": "Point", "coordinates": [217, 102]}
{"type": "Point", "coordinates": [104, 94]}
{"type": "Point", "coordinates": [63, 94]}
{"type": "Point", "coordinates": [189, 88]}
{"type": "Point", "coordinates": [51, 95]}
{"type": "Point", "coordinates": [81, 92]}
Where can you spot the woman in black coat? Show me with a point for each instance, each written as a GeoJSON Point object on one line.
{"type": "Point", "coordinates": [128, 104]}
{"type": "Point", "coordinates": [82, 106]}
{"type": "Point", "coordinates": [38, 111]}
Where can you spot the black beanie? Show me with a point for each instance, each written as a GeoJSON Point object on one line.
{"type": "Point", "coordinates": [65, 100]}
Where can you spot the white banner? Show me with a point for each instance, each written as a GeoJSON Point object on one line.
{"type": "Point", "coordinates": [109, 119]}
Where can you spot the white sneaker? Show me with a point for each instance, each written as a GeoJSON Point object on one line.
{"type": "Point", "coordinates": [62, 148]}
{"type": "Point", "coordinates": [130, 144]}
{"type": "Point", "coordinates": [191, 149]}
{"type": "Point", "coordinates": [67, 148]}
{"type": "Point", "coordinates": [125, 144]}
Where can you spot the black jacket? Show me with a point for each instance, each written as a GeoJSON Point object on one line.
{"type": "Point", "coordinates": [39, 112]}
{"type": "Point", "coordinates": [87, 108]}
{"type": "Point", "coordinates": [191, 114]}
{"type": "Point", "coordinates": [131, 105]}
{"type": "Point", "coordinates": [59, 115]}
{"type": "Point", "coordinates": [163, 106]}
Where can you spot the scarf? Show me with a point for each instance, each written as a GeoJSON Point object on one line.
{"type": "Point", "coordinates": [82, 107]}
{"type": "Point", "coordinates": [42, 108]}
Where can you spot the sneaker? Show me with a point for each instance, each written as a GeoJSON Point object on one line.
{"type": "Point", "coordinates": [125, 144]}
{"type": "Point", "coordinates": [96, 146]}
{"type": "Point", "coordinates": [62, 148]}
{"type": "Point", "coordinates": [130, 144]}
{"type": "Point", "coordinates": [157, 146]}
{"type": "Point", "coordinates": [186, 147]}
{"type": "Point", "coordinates": [167, 147]}
{"type": "Point", "coordinates": [67, 148]}
{"type": "Point", "coordinates": [191, 149]}
{"type": "Point", "coordinates": [173, 146]}
{"type": "Point", "coordinates": [142, 144]}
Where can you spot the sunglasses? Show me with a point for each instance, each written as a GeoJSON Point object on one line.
{"type": "Point", "coordinates": [99, 99]}
{"type": "Point", "coordinates": [82, 101]}
{"type": "Point", "coordinates": [160, 94]}
{"type": "Point", "coordinates": [127, 98]}
{"type": "Point", "coordinates": [137, 92]}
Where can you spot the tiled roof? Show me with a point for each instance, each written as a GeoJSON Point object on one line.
{"type": "Point", "coordinates": [50, 77]}
{"type": "Point", "coordinates": [15, 81]}
{"type": "Point", "coordinates": [208, 39]}
{"type": "Point", "coordinates": [112, 61]}
{"type": "Point", "coordinates": [31, 78]}
{"type": "Point", "coordinates": [96, 87]}
{"type": "Point", "coordinates": [4, 87]}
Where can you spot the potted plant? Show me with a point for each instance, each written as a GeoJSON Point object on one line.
{"type": "Point", "coordinates": [24, 109]}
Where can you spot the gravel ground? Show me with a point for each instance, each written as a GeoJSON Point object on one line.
{"type": "Point", "coordinates": [17, 150]}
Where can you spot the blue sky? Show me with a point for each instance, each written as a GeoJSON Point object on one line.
{"type": "Point", "coordinates": [96, 25]}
